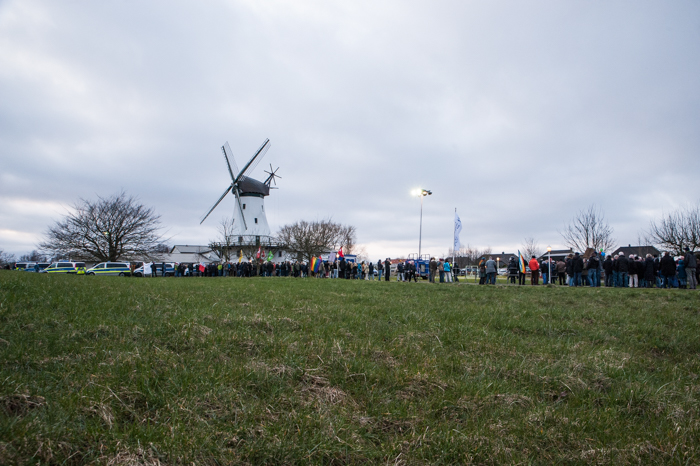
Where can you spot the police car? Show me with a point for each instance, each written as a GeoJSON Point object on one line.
{"type": "Point", "coordinates": [65, 267]}
{"type": "Point", "coordinates": [110, 268]}
{"type": "Point", "coordinates": [25, 266]}
{"type": "Point", "coordinates": [158, 268]}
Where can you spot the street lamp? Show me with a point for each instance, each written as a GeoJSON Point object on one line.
{"type": "Point", "coordinates": [422, 193]}
{"type": "Point", "coordinates": [549, 259]}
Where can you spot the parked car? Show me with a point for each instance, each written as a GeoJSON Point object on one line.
{"type": "Point", "coordinates": [65, 267]}
{"type": "Point", "coordinates": [158, 268]}
{"type": "Point", "coordinates": [24, 266]}
{"type": "Point", "coordinates": [110, 268]}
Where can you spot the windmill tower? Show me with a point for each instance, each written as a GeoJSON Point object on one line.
{"type": "Point", "coordinates": [250, 225]}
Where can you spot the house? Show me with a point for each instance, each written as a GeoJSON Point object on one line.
{"type": "Point", "coordinates": [555, 254]}
{"type": "Point", "coordinates": [640, 251]}
{"type": "Point", "coordinates": [502, 258]}
{"type": "Point", "coordinates": [184, 253]}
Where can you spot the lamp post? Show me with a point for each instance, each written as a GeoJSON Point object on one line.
{"type": "Point", "coordinates": [549, 260]}
{"type": "Point", "coordinates": [422, 193]}
{"type": "Point", "coordinates": [498, 265]}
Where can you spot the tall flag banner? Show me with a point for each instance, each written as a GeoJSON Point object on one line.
{"type": "Point", "coordinates": [240, 256]}
{"type": "Point", "coordinates": [458, 230]}
{"type": "Point", "coordinates": [270, 256]}
{"type": "Point", "coordinates": [257, 256]}
{"type": "Point", "coordinates": [340, 253]}
{"type": "Point", "coordinates": [316, 264]}
{"type": "Point", "coordinates": [521, 262]}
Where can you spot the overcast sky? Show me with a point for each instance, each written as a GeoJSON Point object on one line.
{"type": "Point", "coordinates": [518, 114]}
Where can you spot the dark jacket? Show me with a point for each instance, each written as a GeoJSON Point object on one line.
{"type": "Point", "coordinates": [592, 263]}
{"type": "Point", "coordinates": [608, 265]}
{"type": "Point", "coordinates": [577, 264]}
{"type": "Point", "coordinates": [512, 266]}
{"type": "Point", "coordinates": [668, 266]}
{"type": "Point", "coordinates": [623, 264]}
{"type": "Point", "coordinates": [569, 266]}
{"type": "Point", "coordinates": [649, 269]}
{"type": "Point", "coordinates": [690, 260]}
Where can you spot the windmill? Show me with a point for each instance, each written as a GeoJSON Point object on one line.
{"type": "Point", "coordinates": [250, 219]}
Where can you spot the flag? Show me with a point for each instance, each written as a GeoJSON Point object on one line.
{"type": "Point", "coordinates": [458, 230]}
{"type": "Point", "coordinates": [257, 256]}
{"type": "Point", "coordinates": [340, 253]}
{"type": "Point", "coordinates": [270, 256]}
{"type": "Point", "coordinates": [240, 256]}
{"type": "Point", "coordinates": [331, 257]}
{"type": "Point", "coordinates": [313, 264]}
{"type": "Point", "coordinates": [521, 262]}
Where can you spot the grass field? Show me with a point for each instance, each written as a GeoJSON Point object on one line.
{"type": "Point", "coordinates": [116, 370]}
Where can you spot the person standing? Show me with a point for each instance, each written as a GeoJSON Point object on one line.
{"type": "Point", "coordinates": [608, 268]}
{"type": "Point", "coordinates": [649, 276]}
{"type": "Point", "coordinates": [535, 271]}
{"type": "Point", "coordinates": [380, 269]}
{"type": "Point", "coordinates": [441, 270]}
{"type": "Point", "coordinates": [624, 267]}
{"type": "Point", "coordinates": [691, 264]}
{"type": "Point", "coordinates": [432, 270]}
{"type": "Point", "coordinates": [448, 271]}
{"type": "Point", "coordinates": [512, 269]}
{"type": "Point", "coordinates": [668, 270]}
{"type": "Point", "coordinates": [371, 270]}
{"type": "Point", "coordinates": [482, 271]}
{"type": "Point", "coordinates": [577, 268]}
{"type": "Point", "coordinates": [491, 270]}
{"type": "Point", "coordinates": [387, 269]}
{"type": "Point", "coordinates": [400, 272]}
{"type": "Point", "coordinates": [592, 266]}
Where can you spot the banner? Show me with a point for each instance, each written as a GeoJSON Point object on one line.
{"type": "Point", "coordinates": [458, 230]}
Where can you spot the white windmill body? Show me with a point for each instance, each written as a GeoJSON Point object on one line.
{"type": "Point", "coordinates": [254, 221]}
{"type": "Point", "coordinates": [250, 220]}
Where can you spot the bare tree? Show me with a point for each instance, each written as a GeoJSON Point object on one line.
{"type": "Point", "coordinates": [589, 229]}
{"type": "Point", "coordinates": [108, 229]}
{"type": "Point", "coordinates": [306, 240]}
{"type": "Point", "coordinates": [6, 258]}
{"type": "Point", "coordinates": [224, 244]}
{"type": "Point", "coordinates": [531, 247]}
{"type": "Point", "coordinates": [677, 230]}
{"type": "Point", "coordinates": [34, 256]}
{"type": "Point", "coordinates": [468, 256]}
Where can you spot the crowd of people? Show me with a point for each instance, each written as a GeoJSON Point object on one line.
{"type": "Point", "coordinates": [618, 271]}
{"type": "Point", "coordinates": [403, 270]}
{"type": "Point", "coordinates": [573, 270]}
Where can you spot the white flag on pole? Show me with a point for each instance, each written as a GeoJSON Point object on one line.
{"type": "Point", "coordinates": [458, 229]}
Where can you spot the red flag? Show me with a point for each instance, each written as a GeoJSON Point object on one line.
{"type": "Point", "coordinates": [340, 253]}
{"type": "Point", "coordinates": [257, 256]}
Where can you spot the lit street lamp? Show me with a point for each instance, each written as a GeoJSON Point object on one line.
{"type": "Point", "coordinates": [422, 193]}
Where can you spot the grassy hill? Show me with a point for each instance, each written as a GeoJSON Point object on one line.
{"type": "Point", "coordinates": [271, 371]}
